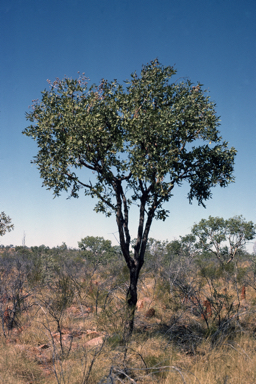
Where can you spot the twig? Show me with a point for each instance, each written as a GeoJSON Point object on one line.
{"type": "Point", "coordinates": [230, 345]}
{"type": "Point", "coordinates": [96, 354]}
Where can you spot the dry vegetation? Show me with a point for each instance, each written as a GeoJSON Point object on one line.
{"type": "Point", "coordinates": [62, 320]}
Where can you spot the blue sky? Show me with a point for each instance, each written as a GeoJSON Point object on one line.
{"type": "Point", "coordinates": [210, 41]}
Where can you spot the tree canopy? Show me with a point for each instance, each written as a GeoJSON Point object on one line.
{"type": "Point", "coordinates": [139, 140]}
{"type": "Point", "coordinates": [223, 238]}
{"type": "Point", "coordinates": [97, 249]}
{"type": "Point", "coordinates": [5, 224]}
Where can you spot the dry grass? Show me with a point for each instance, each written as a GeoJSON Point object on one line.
{"type": "Point", "coordinates": [170, 347]}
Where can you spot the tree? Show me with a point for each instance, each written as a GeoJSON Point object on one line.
{"type": "Point", "coordinates": [140, 141]}
{"type": "Point", "coordinates": [5, 224]}
{"type": "Point", "coordinates": [223, 238]}
{"type": "Point", "coordinates": [96, 249]}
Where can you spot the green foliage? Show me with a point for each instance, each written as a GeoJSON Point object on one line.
{"type": "Point", "coordinates": [162, 290]}
{"type": "Point", "coordinates": [59, 294]}
{"type": "Point", "coordinates": [45, 263]}
{"type": "Point", "coordinates": [139, 141]}
{"type": "Point", "coordinates": [174, 248]}
{"type": "Point", "coordinates": [210, 270]}
{"type": "Point", "coordinates": [115, 340]}
{"type": "Point", "coordinates": [97, 250]}
{"type": "Point", "coordinates": [64, 292]}
{"type": "Point", "coordinates": [5, 224]}
{"type": "Point", "coordinates": [178, 251]}
{"type": "Point", "coordinates": [23, 250]}
{"type": "Point", "coordinates": [40, 248]}
{"type": "Point", "coordinates": [140, 135]}
{"type": "Point", "coordinates": [214, 233]}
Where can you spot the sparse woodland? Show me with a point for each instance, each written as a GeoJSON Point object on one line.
{"type": "Point", "coordinates": [63, 313]}
{"type": "Point", "coordinates": [145, 311]}
{"type": "Point", "coordinates": [130, 145]}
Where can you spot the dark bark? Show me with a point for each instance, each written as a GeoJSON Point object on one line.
{"type": "Point", "coordinates": [131, 301]}
{"type": "Point", "coordinates": [136, 262]}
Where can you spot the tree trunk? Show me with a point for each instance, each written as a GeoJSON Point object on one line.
{"type": "Point", "coordinates": [134, 263]}
{"type": "Point", "coordinates": [131, 301]}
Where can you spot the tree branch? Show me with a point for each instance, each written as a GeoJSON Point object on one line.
{"type": "Point", "coordinates": [151, 214]}
{"type": "Point", "coordinates": [92, 189]}
{"type": "Point", "coordinates": [141, 225]}
{"type": "Point", "coordinates": [126, 216]}
{"type": "Point", "coordinates": [120, 221]}
{"type": "Point", "coordinates": [86, 165]}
